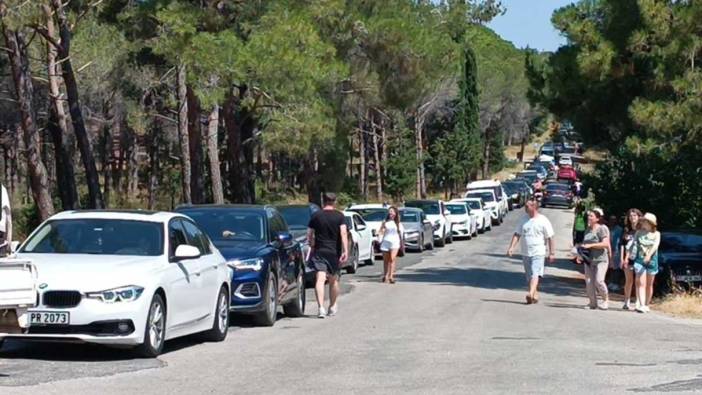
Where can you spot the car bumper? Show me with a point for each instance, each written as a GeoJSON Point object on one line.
{"type": "Point", "coordinates": [93, 321]}
{"type": "Point", "coordinates": [248, 288]}
{"type": "Point", "coordinates": [460, 230]}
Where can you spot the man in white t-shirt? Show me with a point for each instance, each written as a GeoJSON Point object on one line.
{"type": "Point", "coordinates": [535, 232]}
{"type": "Point", "coordinates": [5, 222]}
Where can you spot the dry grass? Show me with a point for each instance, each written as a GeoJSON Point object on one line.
{"type": "Point", "coordinates": [687, 305]}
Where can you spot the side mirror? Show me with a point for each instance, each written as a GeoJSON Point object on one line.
{"type": "Point", "coordinates": [185, 251]}
{"type": "Point", "coordinates": [361, 227]}
{"type": "Point", "coordinates": [14, 246]}
{"type": "Point", "coordinates": [284, 238]}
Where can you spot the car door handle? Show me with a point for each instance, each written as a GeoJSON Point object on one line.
{"type": "Point", "coordinates": [197, 274]}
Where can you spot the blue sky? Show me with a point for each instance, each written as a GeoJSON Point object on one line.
{"type": "Point", "coordinates": [528, 22]}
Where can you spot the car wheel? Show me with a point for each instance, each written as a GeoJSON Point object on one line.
{"type": "Point", "coordinates": [371, 260]}
{"type": "Point", "coordinates": [420, 244]}
{"type": "Point", "coordinates": [220, 326]}
{"type": "Point", "coordinates": [297, 307]}
{"type": "Point", "coordinates": [155, 329]}
{"type": "Point", "coordinates": [268, 315]}
{"type": "Point", "coordinates": [449, 238]}
{"type": "Point", "coordinates": [441, 242]}
{"type": "Point", "coordinates": [353, 264]}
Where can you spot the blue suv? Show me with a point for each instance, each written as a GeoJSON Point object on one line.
{"type": "Point", "coordinates": [267, 263]}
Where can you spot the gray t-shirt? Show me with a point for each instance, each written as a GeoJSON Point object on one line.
{"type": "Point", "coordinates": [598, 255]}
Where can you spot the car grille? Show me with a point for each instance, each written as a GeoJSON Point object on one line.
{"type": "Point", "coordinates": [99, 328]}
{"type": "Point", "coordinates": [61, 298]}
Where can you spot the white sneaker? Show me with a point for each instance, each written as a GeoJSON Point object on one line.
{"type": "Point", "coordinates": [603, 306]}
{"type": "Point", "coordinates": [646, 309]}
{"type": "Point", "coordinates": [322, 313]}
{"type": "Point", "coordinates": [640, 309]}
{"type": "Point", "coordinates": [333, 310]}
{"type": "Point", "coordinates": [627, 305]}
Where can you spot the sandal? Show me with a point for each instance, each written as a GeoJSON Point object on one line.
{"type": "Point", "coordinates": [392, 281]}
{"type": "Point", "coordinates": [529, 300]}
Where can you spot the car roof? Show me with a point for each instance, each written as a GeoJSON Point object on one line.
{"type": "Point", "coordinates": [468, 199]}
{"type": "Point", "coordinates": [412, 209]}
{"type": "Point", "coordinates": [307, 205]}
{"type": "Point", "coordinates": [130, 215]}
{"type": "Point", "coordinates": [481, 191]}
{"type": "Point", "coordinates": [350, 213]}
{"type": "Point", "coordinates": [483, 184]}
{"type": "Point", "coordinates": [250, 207]}
{"type": "Point", "coordinates": [367, 205]}
{"type": "Point", "coordinates": [423, 201]}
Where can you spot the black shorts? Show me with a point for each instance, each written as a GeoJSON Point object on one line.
{"type": "Point", "coordinates": [579, 237]}
{"type": "Point", "coordinates": [327, 262]}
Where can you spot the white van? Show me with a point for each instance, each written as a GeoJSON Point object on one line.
{"type": "Point", "coordinates": [500, 196]}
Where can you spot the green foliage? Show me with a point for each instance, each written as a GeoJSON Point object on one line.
{"type": "Point", "coordinates": [401, 167]}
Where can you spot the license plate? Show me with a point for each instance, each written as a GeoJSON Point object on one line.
{"type": "Point", "coordinates": [49, 318]}
{"type": "Point", "coordinates": [689, 278]}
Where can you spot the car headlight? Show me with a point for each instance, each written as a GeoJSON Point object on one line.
{"type": "Point", "coordinates": [254, 264]}
{"type": "Point", "coordinates": [411, 235]}
{"type": "Point", "coordinates": [128, 293]}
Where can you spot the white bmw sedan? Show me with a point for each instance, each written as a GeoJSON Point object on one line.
{"type": "Point", "coordinates": [126, 278]}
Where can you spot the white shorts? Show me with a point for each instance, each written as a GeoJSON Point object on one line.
{"type": "Point", "coordinates": [389, 245]}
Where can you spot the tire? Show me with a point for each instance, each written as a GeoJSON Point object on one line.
{"type": "Point", "coordinates": [220, 326]}
{"type": "Point", "coordinates": [449, 239]}
{"type": "Point", "coordinates": [371, 260]}
{"type": "Point", "coordinates": [440, 243]}
{"type": "Point", "coordinates": [296, 308]}
{"type": "Point", "coordinates": [420, 244]}
{"type": "Point", "coordinates": [351, 269]}
{"type": "Point", "coordinates": [154, 329]}
{"type": "Point", "coordinates": [268, 315]}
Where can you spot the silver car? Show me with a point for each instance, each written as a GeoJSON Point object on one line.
{"type": "Point", "coordinates": [419, 232]}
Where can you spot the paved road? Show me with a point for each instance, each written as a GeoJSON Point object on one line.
{"type": "Point", "coordinates": [454, 323]}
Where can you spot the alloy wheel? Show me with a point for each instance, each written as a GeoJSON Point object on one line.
{"type": "Point", "coordinates": [156, 325]}
{"type": "Point", "coordinates": [223, 312]}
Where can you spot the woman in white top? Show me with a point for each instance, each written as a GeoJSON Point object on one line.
{"type": "Point", "coordinates": [390, 238]}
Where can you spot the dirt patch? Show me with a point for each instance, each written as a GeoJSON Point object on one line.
{"type": "Point", "coordinates": [682, 305]}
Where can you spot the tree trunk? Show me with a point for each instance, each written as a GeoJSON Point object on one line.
{"type": "Point", "coordinates": [58, 123]}
{"type": "Point", "coordinates": [486, 155]}
{"type": "Point", "coordinates": [183, 135]}
{"type": "Point", "coordinates": [521, 149]}
{"type": "Point", "coordinates": [419, 142]}
{"type": "Point", "coordinates": [197, 175]}
{"type": "Point", "coordinates": [363, 178]}
{"type": "Point", "coordinates": [24, 90]}
{"type": "Point", "coordinates": [213, 155]}
{"type": "Point", "coordinates": [240, 148]}
{"type": "Point", "coordinates": [69, 79]}
{"type": "Point", "coordinates": [154, 163]}
{"type": "Point", "coordinates": [376, 157]}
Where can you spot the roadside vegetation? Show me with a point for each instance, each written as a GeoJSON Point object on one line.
{"type": "Point", "coordinates": [682, 304]}
{"type": "Point", "coordinates": [149, 104]}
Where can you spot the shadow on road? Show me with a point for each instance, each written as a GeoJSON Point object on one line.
{"type": "Point", "coordinates": [493, 279]}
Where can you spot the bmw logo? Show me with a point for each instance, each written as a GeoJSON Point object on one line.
{"type": "Point", "coordinates": [43, 285]}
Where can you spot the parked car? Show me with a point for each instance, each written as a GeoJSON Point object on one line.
{"type": "Point", "coordinates": [515, 193]}
{"type": "Point", "coordinates": [463, 223]}
{"type": "Point", "coordinates": [500, 195]}
{"type": "Point", "coordinates": [373, 214]}
{"type": "Point", "coordinates": [436, 212]}
{"type": "Point", "coordinates": [680, 260]}
{"type": "Point", "coordinates": [541, 171]}
{"type": "Point", "coordinates": [419, 232]}
{"type": "Point", "coordinates": [268, 265]}
{"type": "Point", "coordinates": [125, 278]}
{"type": "Point", "coordinates": [490, 201]}
{"type": "Point", "coordinates": [298, 216]}
{"type": "Point", "coordinates": [530, 176]}
{"type": "Point", "coordinates": [557, 194]}
{"type": "Point", "coordinates": [567, 173]}
{"type": "Point", "coordinates": [565, 160]}
{"type": "Point", "coordinates": [360, 242]}
{"type": "Point", "coordinates": [480, 211]}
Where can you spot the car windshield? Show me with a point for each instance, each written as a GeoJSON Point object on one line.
{"type": "Point", "coordinates": [511, 188]}
{"type": "Point", "coordinates": [456, 209]}
{"type": "Point", "coordinates": [229, 225]}
{"type": "Point", "coordinates": [473, 204]}
{"type": "Point", "coordinates": [430, 208]}
{"type": "Point", "coordinates": [531, 177]}
{"type": "Point", "coordinates": [372, 214]}
{"type": "Point", "coordinates": [681, 242]}
{"type": "Point", "coordinates": [296, 217]}
{"type": "Point", "coordinates": [486, 196]}
{"type": "Point", "coordinates": [409, 216]}
{"type": "Point", "coordinates": [98, 237]}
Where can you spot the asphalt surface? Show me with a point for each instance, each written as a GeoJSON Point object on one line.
{"type": "Point", "coordinates": [455, 322]}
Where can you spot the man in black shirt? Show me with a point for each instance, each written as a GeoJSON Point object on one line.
{"type": "Point", "coordinates": [327, 237]}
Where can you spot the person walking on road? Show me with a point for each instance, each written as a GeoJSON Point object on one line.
{"type": "Point", "coordinates": [627, 253]}
{"type": "Point", "coordinates": [580, 223]}
{"type": "Point", "coordinates": [646, 263]}
{"type": "Point", "coordinates": [596, 246]}
{"type": "Point", "coordinates": [327, 237]}
{"type": "Point", "coordinates": [535, 232]}
{"type": "Point", "coordinates": [390, 239]}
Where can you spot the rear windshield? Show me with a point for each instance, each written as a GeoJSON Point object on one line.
{"type": "Point", "coordinates": [457, 209]}
{"type": "Point", "coordinates": [430, 208]}
{"type": "Point", "coordinates": [557, 187]}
